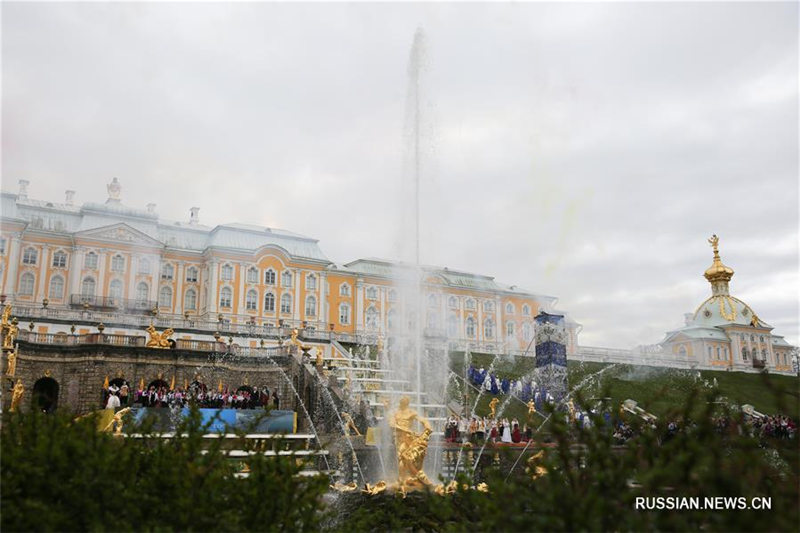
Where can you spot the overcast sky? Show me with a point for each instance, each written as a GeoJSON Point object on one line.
{"type": "Point", "coordinates": [584, 151]}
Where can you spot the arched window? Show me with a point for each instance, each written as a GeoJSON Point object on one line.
{"type": "Point", "coordinates": [26, 283]}
{"type": "Point", "coordinates": [432, 320]}
{"type": "Point", "coordinates": [763, 355]}
{"type": "Point", "coordinates": [286, 279]}
{"type": "Point", "coordinates": [344, 289]}
{"type": "Point", "coordinates": [252, 276]}
{"type": "Point", "coordinates": [527, 332]}
{"type": "Point", "coordinates": [56, 288]}
{"type": "Point", "coordinates": [509, 329]}
{"type": "Point", "coordinates": [30, 256]}
{"type": "Point", "coordinates": [452, 302]}
{"type": "Point", "coordinates": [488, 328]}
{"type": "Point", "coordinates": [87, 287]}
{"type": "Point", "coordinates": [719, 353]}
{"type": "Point", "coordinates": [142, 292]}
{"type": "Point", "coordinates": [227, 272]}
{"type": "Point", "coordinates": [191, 275]}
{"type": "Point", "coordinates": [269, 277]}
{"type": "Point", "coordinates": [115, 290]}
{"type": "Point", "coordinates": [344, 314]}
{"type": "Point", "coordinates": [311, 306]}
{"type": "Point", "coordinates": [165, 297]}
{"type": "Point", "coordinates": [225, 297]}
{"type": "Point", "coordinates": [452, 326]}
{"type": "Point", "coordinates": [372, 318]}
{"type": "Point", "coordinates": [90, 261]}
{"type": "Point", "coordinates": [59, 259]}
{"type": "Point", "coordinates": [709, 352]}
{"type": "Point", "coordinates": [432, 300]}
{"type": "Point", "coordinates": [311, 282]}
{"type": "Point", "coordinates": [190, 300]}
{"type": "Point", "coordinates": [251, 299]}
{"type": "Point", "coordinates": [372, 293]}
{"type": "Point", "coordinates": [286, 303]}
{"type": "Point", "coordinates": [392, 295]}
{"type": "Point", "coordinates": [470, 327]}
{"type": "Point", "coordinates": [167, 271]}
{"type": "Point", "coordinates": [745, 354]}
{"type": "Point", "coordinates": [118, 263]}
{"type": "Point", "coordinates": [391, 319]}
{"type": "Point", "coordinates": [682, 351]}
{"type": "Point", "coordinates": [526, 310]}
{"type": "Point", "coordinates": [509, 308]}
{"type": "Point", "coordinates": [470, 303]}
{"type": "Point", "coordinates": [269, 302]}
{"type": "Point", "coordinates": [488, 307]}
{"type": "Point", "coordinates": [143, 267]}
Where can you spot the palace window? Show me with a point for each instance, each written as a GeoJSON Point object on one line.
{"type": "Point", "coordinates": [29, 256]}
{"type": "Point", "coordinates": [227, 272]}
{"type": "Point", "coordinates": [311, 282]}
{"type": "Point", "coordinates": [143, 267]}
{"type": "Point", "coordinates": [165, 297]}
{"type": "Point", "coordinates": [509, 308]}
{"type": "Point", "coordinates": [286, 303]}
{"type": "Point", "coordinates": [372, 318]}
{"type": "Point", "coordinates": [432, 300]}
{"type": "Point", "coordinates": [56, 288]}
{"type": "Point", "coordinates": [470, 328]}
{"type": "Point", "coordinates": [90, 261]}
{"type": "Point", "coordinates": [191, 275]}
{"type": "Point", "coordinates": [269, 302]}
{"type": "Point", "coordinates": [26, 283]}
{"type": "Point", "coordinates": [2, 246]}
{"type": "Point", "coordinates": [527, 332]}
{"type": "Point", "coordinates": [118, 263]}
{"type": "Point", "coordinates": [251, 299]}
{"type": "Point", "coordinates": [190, 300]}
{"type": "Point", "coordinates": [167, 272]}
{"type": "Point", "coordinates": [452, 302]}
{"type": "Point", "coordinates": [744, 354]}
{"type": "Point", "coordinates": [344, 314]}
{"type": "Point", "coordinates": [88, 287]}
{"type": "Point", "coordinates": [432, 320]}
{"type": "Point", "coordinates": [372, 293]}
{"type": "Point", "coordinates": [488, 307]}
{"type": "Point", "coordinates": [311, 306]}
{"type": "Point", "coordinates": [470, 303]}
{"type": "Point", "coordinates": [225, 297]}
{"type": "Point", "coordinates": [269, 277]}
{"type": "Point", "coordinates": [392, 295]}
{"type": "Point", "coordinates": [391, 319]}
{"type": "Point", "coordinates": [286, 279]}
{"type": "Point", "coordinates": [252, 276]}
{"type": "Point", "coordinates": [526, 310]}
{"type": "Point", "coordinates": [59, 259]}
{"type": "Point", "coordinates": [488, 328]}
{"type": "Point", "coordinates": [142, 292]}
{"type": "Point", "coordinates": [509, 329]}
{"type": "Point", "coordinates": [719, 353]}
{"type": "Point", "coordinates": [452, 326]}
{"type": "Point", "coordinates": [344, 289]}
{"type": "Point", "coordinates": [115, 290]}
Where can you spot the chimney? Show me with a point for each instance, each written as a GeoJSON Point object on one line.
{"type": "Point", "coordinates": [23, 189]}
{"type": "Point", "coordinates": [70, 197]}
{"type": "Point", "coordinates": [151, 208]}
{"type": "Point", "coordinates": [194, 218]}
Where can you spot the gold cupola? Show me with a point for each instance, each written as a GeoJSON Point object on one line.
{"type": "Point", "coordinates": [718, 274]}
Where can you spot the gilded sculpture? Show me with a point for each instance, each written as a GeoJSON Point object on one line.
{"type": "Point", "coordinates": [320, 360]}
{"type": "Point", "coordinates": [10, 332]}
{"type": "Point", "coordinates": [531, 408]}
{"type": "Point", "coordinates": [16, 395]}
{"type": "Point", "coordinates": [12, 363]}
{"type": "Point", "coordinates": [159, 340]}
{"type": "Point", "coordinates": [493, 407]}
{"type": "Point", "coordinates": [411, 447]}
{"type": "Point", "coordinates": [349, 424]}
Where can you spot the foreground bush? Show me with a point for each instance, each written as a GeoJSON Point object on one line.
{"type": "Point", "coordinates": [60, 475]}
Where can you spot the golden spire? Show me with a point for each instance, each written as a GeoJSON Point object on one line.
{"type": "Point", "coordinates": [718, 274]}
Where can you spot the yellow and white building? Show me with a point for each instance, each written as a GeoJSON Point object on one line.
{"type": "Point", "coordinates": [121, 265]}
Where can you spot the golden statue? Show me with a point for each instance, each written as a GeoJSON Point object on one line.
{"type": "Point", "coordinates": [380, 344]}
{"type": "Point", "coordinates": [12, 363]}
{"type": "Point", "coordinates": [534, 468]}
{"type": "Point", "coordinates": [754, 321]}
{"type": "Point", "coordinates": [714, 242]}
{"type": "Point", "coordinates": [341, 487]}
{"type": "Point", "coordinates": [117, 422]}
{"type": "Point", "coordinates": [571, 409]}
{"type": "Point", "coordinates": [493, 406]}
{"type": "Point", "coordinates": [411, 447]}
{"type": "Point", "coordinates": [377, 488]}
{"type": "Point", "coordinates": [6, 319]}
{"type": "Point", "coordinates": [349, 424]}
{"type": "Point", "coordinates": [159, 340]}
{"type": "Point", "coordinates": [16, 395]}
{"type": "Point", "coordinates": [10, 333]}
{"type": "Point", "coordinates": [531, 408]}
{"type": "Point", "coordinates": [320, 360]}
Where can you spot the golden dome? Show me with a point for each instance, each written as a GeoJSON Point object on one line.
{"type": "Point", "coordinates": [717, 271]}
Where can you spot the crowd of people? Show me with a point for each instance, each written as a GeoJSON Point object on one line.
{"type": "Point", "coordinates": [776, 426]}
{"type": "Point", "coordinates": [478, 430]}
{"type": "Point", "coordinates": [524, 388]}
{"type": "Point", "coordinates": [161, 395]}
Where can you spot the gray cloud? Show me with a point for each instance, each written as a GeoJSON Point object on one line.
{"type": "Point", "coordinates": [582, 151]}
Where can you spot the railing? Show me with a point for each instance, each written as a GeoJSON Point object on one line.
{"type": "Point", "coordinates": [108, 302]}
{"type": "Point", "coordinates": [88, 338]}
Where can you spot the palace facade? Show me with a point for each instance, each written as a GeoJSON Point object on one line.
{"type": "Point", "coordinates": [66, 264]}
{"type": "Point", "coordinates": [726, 333]}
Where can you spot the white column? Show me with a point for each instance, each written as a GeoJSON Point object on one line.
{"type": "Point", "coordinates": [242, 277]}
{"type": "Point", "coordinates": [360, 305]}
{"type": "Point", "coordinates": [40, 286]}
{"type": "Point", "coordinates": [211, 296]}
{"type": "Point", "coordinates": [75, 266]}
{"type": "Point", "coordinates": [296, 288]}
{"type": "Point", "coordinates": [323, 300]}
{"type": "Point", "coordinates": [382, 300]}
{"type": "Point", "coordinates": [14, 246]}
{"type": "Point", "coordinates": [101, 273]}
{"type": "Point", "coordinates": [479, 332]}
{"type": "Point", "coordinates": [180, 269]}
{"type": "Point", "coordinates": [499, 327]}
